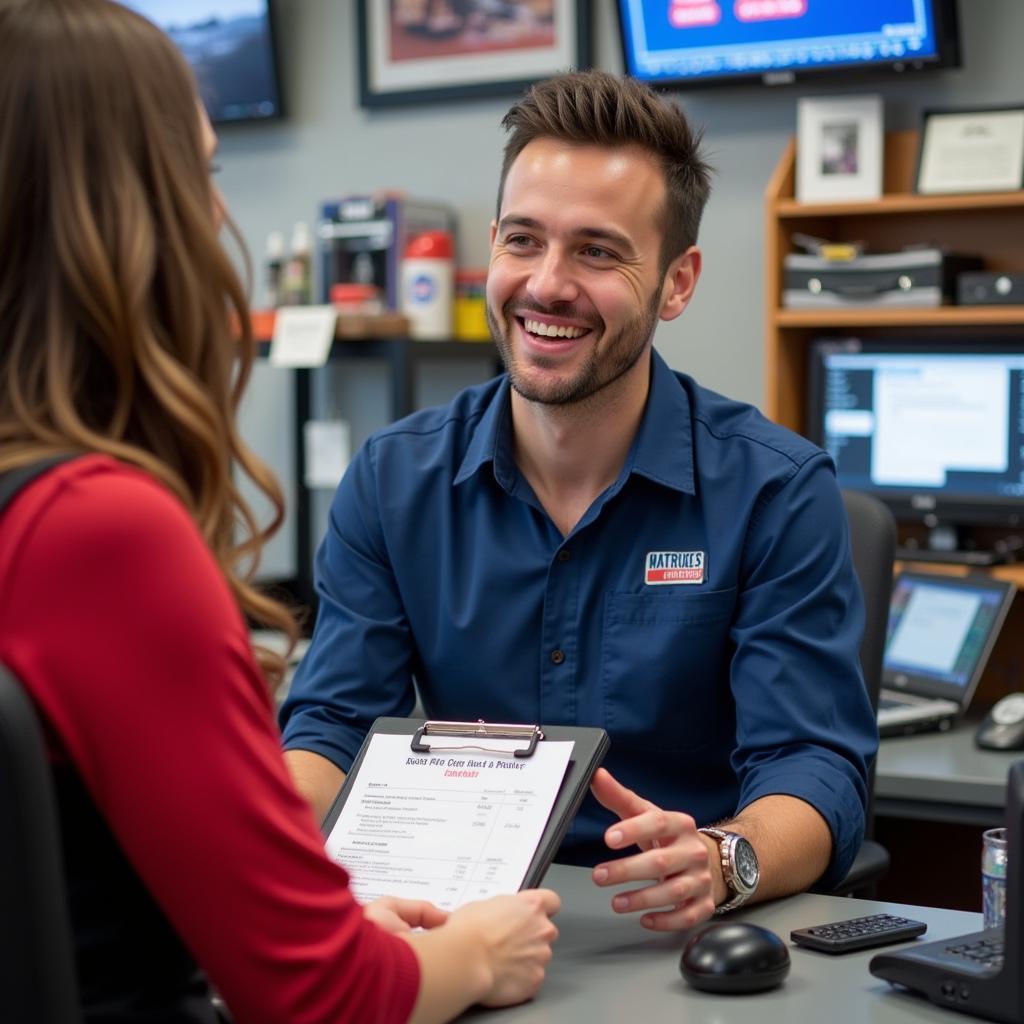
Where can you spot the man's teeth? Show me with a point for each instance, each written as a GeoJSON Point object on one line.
{"type": "Point", "coordinates": [553, 331]}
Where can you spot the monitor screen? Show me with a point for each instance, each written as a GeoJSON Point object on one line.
{"type": "Point", "coordinates": [230, 45]}
{"type": "Point", "coordinates": [934, 429]}
{"type": "Point", "coordinates": [694, 42]}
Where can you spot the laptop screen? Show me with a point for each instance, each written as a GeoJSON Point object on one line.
{"type": "Point", "coordinates": [941, 632]}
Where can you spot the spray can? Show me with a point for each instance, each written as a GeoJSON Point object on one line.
{"type": "Point", "coordinates": [273, 270]}
{"type": "Point", "coordinates": [297, 286]}
{"type": "Point", "coordinates": [427, 283]}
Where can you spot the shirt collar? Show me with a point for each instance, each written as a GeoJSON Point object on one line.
{"type": "Point", "coordinates": [662, 451]}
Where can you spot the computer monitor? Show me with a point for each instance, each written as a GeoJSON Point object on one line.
{"type": "Point", "coordinates": [932, 428]}
{"type": "Point", "coordinates": [231, 47]}
{"type": "Point", "coordinates": [674, 43]}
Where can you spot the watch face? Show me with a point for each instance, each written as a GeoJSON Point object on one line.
{"type": "Point", "coordinates": [746, 863]}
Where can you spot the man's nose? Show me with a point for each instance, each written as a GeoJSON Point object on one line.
{"type": "Point", "coordinates": [552, 280]}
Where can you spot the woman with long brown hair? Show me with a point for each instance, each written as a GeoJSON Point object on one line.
{"type": "Point", "coordinates": [125, 567]}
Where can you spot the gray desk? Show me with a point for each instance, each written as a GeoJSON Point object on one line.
{"type": "Point", "coordinates": [609, 970]}
{"type": "Point", "coordinates": [942, 776]}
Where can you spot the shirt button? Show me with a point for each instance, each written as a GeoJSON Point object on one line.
{"type": "Point", "coordinates": [563, 555]}
{"type": "Point", "coordinates": [557, 656]}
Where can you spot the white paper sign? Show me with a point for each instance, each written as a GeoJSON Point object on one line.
{"type": "Point", "coordinates": [302, 335]}
{"type": "Point", "coordinates": [450, 826]}
{"type": "Point", "coordinates": [328, 452]}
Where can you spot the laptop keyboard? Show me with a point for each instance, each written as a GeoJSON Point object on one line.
{"type": "Point", "coordinates": [984, 952]}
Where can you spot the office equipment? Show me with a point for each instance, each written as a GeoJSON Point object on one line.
{"type": "Point", "coordinates": [462, 741]}
{"type": "Point", "coordinates": [910, 277]}
{"type": "Point", "coordinates": [363, 239]}
{"type": "Point", "coordinates": [990, 288]}
{"type": "Point", "coordinates": [690, 42]}
{"type": "Point", "coordinates": [941, 632]}
{"type": "Point", "coordinates": [1003, 728]}
{"type": "Point", "coordinates": [233, 53]}
{"type": "Point", "coordinates": [858, 933]}
{"type": "Point", "coordinates": [734, 957]}
{"type": "Point", "coordinates": [37, 968]}
{"type": "Point", "coordinates": [932, 427]}
{"type": "Point", "coordinates": [978, 973]}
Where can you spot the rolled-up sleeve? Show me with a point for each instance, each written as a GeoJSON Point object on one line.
{"type": "Point", "coordinates": [805, 726]}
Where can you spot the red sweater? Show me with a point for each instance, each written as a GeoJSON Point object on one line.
{"type": "Point", "coordinates": [116, 618]}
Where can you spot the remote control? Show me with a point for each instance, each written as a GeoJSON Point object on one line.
{"type": "Point", "coordinates": [858, 933]}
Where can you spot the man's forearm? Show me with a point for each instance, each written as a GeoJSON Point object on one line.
{"type": "Point", "coordinates": [792, 841]}
{"type": "Point", "coordinates": [316, 778]}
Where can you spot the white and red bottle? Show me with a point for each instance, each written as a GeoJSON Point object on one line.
{"type": "Point", "coordinates": [427, 285]}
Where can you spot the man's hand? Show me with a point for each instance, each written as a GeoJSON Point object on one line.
{"type": "Point", "coordinates": [675, 859]}
{"type": "Point", "coordinates": [396, 915]}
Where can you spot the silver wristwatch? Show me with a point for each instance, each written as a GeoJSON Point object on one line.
{"type": "Point", "coordinates": [739, 867]}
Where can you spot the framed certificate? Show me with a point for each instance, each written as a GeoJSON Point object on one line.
{"type": "Point", "coordinates": [971, 151]}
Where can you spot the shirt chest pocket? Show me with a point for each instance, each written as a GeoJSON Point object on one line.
{"type": "Point", "coordinates": [665, 668]}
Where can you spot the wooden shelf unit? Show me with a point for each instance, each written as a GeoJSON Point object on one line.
{"type": "Point", "coordinates": [990, 225]}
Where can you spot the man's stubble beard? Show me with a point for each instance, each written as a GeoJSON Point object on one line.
{"type": "Point", "coordinates": [599, 370]}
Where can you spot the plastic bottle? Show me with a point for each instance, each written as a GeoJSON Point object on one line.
{"type": "Point", "coordinates": [297, 287]}
{"type": "Point", "coordinates": [273, 270]}
{"type": "Point", "coordinates": [427, 279]}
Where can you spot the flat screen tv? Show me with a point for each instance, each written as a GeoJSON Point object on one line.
{"type": "Point", "coordinates": [231, 48]}
{"type": "Point", "coordinates": [676, 43]}
{"type": "Point", "coordinates": [933, 428]}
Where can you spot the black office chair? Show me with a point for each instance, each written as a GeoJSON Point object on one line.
{"type": "Point", "coordinates": [37, 970]}
{"type": "Point", "coordinates": [873, 547]}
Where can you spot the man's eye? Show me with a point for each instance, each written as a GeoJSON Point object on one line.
{"type": "Point", "coordinates": [595, 252]}
{"type": "Point", "coordinates": [518, 240]}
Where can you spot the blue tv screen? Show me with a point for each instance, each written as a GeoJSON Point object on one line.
{"type": "Point", "coordinates": [694, 42]}
{"type": "Point", "coordinates": [230, 46]}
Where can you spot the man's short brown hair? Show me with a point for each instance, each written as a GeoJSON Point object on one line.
{"type": "Point", "coordinates": [598, 109]}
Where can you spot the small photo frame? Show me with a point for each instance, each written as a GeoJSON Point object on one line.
{"type": "Point", "coordinates": [839, 143]}
{"type": "Point", "coordinates": [977, 150]}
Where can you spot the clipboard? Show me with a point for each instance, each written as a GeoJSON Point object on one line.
{"type": "Point", "coordinates": [590, 745]}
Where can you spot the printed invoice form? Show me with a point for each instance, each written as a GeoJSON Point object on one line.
{"type": "Point", "coordinates": [450, 826]}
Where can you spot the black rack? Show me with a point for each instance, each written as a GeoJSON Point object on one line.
{"type": "Point", "coordinates": [402, 355]}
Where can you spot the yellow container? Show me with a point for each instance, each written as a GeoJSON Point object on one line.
{"type": "Point", "coordinates": [471, 306]}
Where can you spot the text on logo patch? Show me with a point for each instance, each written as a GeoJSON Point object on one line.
{"type": "Point", "coordinates": [673, 567]}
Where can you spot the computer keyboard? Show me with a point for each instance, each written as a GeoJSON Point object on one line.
{"type": "Point", "coordinates": [984, 952]}
{"type": "Point", "coordinates": [950, 557]}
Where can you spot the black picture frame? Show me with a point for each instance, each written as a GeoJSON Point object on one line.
{"type": "Point", "coordinates": [458, 75]}
{"type": "Point", "coordinates": [924, 178]}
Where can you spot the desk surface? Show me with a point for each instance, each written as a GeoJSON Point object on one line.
{"type": "Point", "coordinates": [609, 970]}
{"type": "Point", "coordinates": [942, 776]}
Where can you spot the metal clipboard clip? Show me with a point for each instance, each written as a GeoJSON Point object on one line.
{"type": "Point", "coordinates": [481, 730]}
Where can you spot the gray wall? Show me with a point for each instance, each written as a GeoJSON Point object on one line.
{"type": "Point", "coordinates": [276, 174]}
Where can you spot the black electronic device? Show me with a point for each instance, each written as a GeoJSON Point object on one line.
{"type": "Point", "coordinates": [990, 288]}
{"type": "Point", "coordinates": [942, 630]}
{"type": "Point", "coordinates": [978, 973]}
{"type": "Point", "coordinates": [931, 426]}
{"type": "Point", "coordinates": [675, 43]}
{"type": "Point", "coordinates": [231, 50]}
{"type": "Point", "coordinates": [858, 933]}
{"type": "Point", "coordinates": [734, 957]}
{"type": "Point", "coordinates": [1003, 728]}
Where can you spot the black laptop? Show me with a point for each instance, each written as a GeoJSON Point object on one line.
{"type": "Point", "coordinates": [980, 973]}
{"type": "Point", "coordinates": [941, 632]}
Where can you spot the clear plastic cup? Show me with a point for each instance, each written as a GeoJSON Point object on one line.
{"type": "Point", "coordinates": [993, 877]}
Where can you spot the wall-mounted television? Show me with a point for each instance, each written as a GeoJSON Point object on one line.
{"type": "Point", "coordinates": [933, 428]}
{"type": "Point", "coordinates": [681, 43]}
{"type": "Point", "coordinates": [230, 45]}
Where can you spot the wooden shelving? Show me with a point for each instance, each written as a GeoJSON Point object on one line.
{"type": "Point", "coordinates": [989, 225]}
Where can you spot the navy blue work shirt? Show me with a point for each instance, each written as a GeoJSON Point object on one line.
{"type": "Point", "coordinates": [704, 610]}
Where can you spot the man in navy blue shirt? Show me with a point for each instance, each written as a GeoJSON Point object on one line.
{"type": "Point", "coordinates": [594, 539]}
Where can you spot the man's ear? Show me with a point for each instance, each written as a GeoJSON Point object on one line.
{"type": "Point", "coordinates": [679, 283]}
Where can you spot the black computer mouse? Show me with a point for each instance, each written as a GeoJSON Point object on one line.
{"type": "Point", "coordinates": [734, 956]}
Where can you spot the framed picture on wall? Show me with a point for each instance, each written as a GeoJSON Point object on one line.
{"type": "Point", "coordinates": [839, 142]}
{"type": "Point", "coordinates": [429, 51]}
{"type": "Point", "coordinates": [979, 150]}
